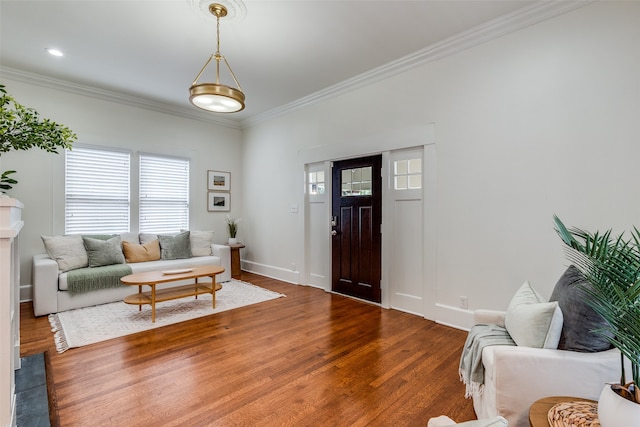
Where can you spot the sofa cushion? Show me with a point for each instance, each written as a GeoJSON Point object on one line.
{"type": "Point", "coordinates": [174, 264]}
{"type": "Point", "coordinates": [67, 251]}
{"type": "Point", "coordinates": [159, 265]}
{"type": "Point", "coordinates": [100, 236]}
{"type": "Point", "coordinates": [201, 242]}
{"type": "Point", "coordinates": [134, 252]}
{"type": "Point", "coordinates": [579, 318]}
{"type": "Point", "coordinates": [147, 237]}
{"type": "Point", "coordinates": [175, 247]}
{"type": "Point", "coordinates": [130, 237]}
{"type": "Point", "coordinates": [103, 252]}
{"type": "Point", "coordinates": [532, 321]}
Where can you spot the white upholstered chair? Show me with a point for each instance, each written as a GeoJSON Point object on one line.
{"type": "Point", "coordinates": [517, 376]}
{"type": "Point", "coordinates": [444, 421]}
{"type": "Point", "coordinates": [575, 362]}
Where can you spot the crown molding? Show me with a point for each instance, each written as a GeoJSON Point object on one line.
{"type": "Point", "coordinates": [117, 97]}
{"type": "Point", "coordinates": [493, 29]}
{"type": "Point", "coordinates": [520, 19]}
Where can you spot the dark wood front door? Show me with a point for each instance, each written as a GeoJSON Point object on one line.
{"type": "Point", "coordinates": [356, 220]}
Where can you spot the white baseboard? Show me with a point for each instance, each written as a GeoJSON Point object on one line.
{"type": "Point", "coordinates": [404, 310]}
{"type": "Point", "coordinates": [317, 281]}
{"type": "Point", "coordinates": [271, 271]}
{"type": "Point", "coordinates": [454, 317]}
{"type": "Point", "coordinates": [446, 315]}
{"type": "Point", "coordinates": [26, 293]}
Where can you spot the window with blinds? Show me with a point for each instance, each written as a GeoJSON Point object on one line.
{"type": "Point", "coordinates": [96, 191]}
{"type": "Point", "coordinates": [164, 194]}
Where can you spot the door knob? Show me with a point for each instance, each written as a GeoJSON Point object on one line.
{"type": "Point", "coordinates": [334, 233]}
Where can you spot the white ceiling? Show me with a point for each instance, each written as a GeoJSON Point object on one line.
{"type": "Point", "coordinates": [281, 51]}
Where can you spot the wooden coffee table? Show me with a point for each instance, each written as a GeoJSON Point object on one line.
{"type": "Point", "coordinates": [153, 278]}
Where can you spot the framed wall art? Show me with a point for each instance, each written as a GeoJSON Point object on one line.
{"type": "Point", "coordinates": [218, 202]}
{"type": "Point", "coordinates": [218, 181]}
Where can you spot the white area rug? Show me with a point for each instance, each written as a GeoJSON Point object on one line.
{"type": "Point", "coordinates": [89, 325]}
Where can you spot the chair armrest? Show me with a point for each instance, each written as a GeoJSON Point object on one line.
{"type": "Point", "coordinates": [518, 376]}
{"type": "Point", "coordinates": [441, 421]}
{"type": "Point", "coordinates": [488, 317]}
{"type": "Point", "coordinates": [224, 253]}
{"type": "Point", "coordinates": [45, 285]}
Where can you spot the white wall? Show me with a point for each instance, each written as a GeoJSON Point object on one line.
{"type": "Point", "coordinates": [99, 122]}
{"type": "Point", "coordinates": [539, 122]}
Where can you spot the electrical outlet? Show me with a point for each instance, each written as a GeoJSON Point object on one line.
{"type": "Point", "coordinates": [464, 302]}
{"type": "Point", "coordinates": [293, 266]}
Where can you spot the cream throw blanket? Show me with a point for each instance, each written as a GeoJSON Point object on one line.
{"type": "Point", "coordinates": [471, 368]}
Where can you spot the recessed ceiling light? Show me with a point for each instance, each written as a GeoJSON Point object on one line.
{"type": "Point", "coordinates": [54, 52]}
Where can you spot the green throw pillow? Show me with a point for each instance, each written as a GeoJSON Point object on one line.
{"type": "Point", "coordinates": [103, 252]}
{"type": "Point", "coordinates": [175, 247]}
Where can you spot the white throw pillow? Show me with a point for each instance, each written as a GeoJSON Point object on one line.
{"type": "Point", "coordinates": [130, 237]}
{"type": "Point", "coordinates": [67, 251]}
{"type": "Point", "coordinates": [201, 243]}
{"type": "Point", "coordinates": [532, 321]}
{"type": "Point", "coordinates": [147, 237]}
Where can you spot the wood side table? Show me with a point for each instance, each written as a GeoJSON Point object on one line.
{"type": "Point", "coordinates": [235, 260]}
{"type": "Point", "coordinates": [540, 408]}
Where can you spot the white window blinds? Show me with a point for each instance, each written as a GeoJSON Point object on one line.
{"type": "Point", "coordinates": [96, 191]}
{"type": "Point", "coordinates": [164, 194]}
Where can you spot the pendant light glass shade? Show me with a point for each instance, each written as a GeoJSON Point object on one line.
{"type": "Point", "coordinates": [217, 97]}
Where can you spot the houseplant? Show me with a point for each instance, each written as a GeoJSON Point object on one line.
{"type": "Point", "coordinates": [22, 128]}
{"type": "Point", "coordinates": [232, 226]}
{"type": "Point", "coordinates": [611, 266]}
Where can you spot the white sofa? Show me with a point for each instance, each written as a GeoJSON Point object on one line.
{"type": "Point", "coordinates": [517, 376]}
{"type": "Point", "coordinates": [50, 293]}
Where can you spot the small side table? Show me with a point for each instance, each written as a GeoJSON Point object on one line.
{"type": "Point", "coordinates": [235, 260]}
{"type": "Point", "coordinates": [540, 408]}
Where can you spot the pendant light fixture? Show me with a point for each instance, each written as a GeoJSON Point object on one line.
{"type": "Point", "coordinates": [217, 97]}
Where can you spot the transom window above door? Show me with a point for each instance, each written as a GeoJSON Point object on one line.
{"type": "Point", "coordinates": [356, 182]}
{"type": "Point", "coordinates": [408, 174]}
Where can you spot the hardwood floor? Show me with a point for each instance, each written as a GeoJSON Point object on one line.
{"type": "Point", "coordinates": [312, 358]}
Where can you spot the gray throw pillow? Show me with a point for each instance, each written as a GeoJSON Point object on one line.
{"type": "Point", "coordinates": [67, 251]}
{"type": "Point", "coordinates": [579, 319]}
{"type": "Point", "coordinates": [175, 247]}
{"type": "Point", "coordinates": [103, 252]}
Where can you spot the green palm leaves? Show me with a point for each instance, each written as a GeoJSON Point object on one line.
{"type": "Point", "coordinates": [612, 266]}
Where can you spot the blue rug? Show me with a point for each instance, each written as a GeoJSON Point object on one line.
{"type": "Point", "coordinates": [32, 395]}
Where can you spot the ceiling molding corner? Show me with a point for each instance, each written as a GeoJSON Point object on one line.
{"type": "Point", "coordinates": [117, 97]}
{"type": "Point", "coordinates": [491, 30]}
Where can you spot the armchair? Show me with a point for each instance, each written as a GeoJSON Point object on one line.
{"type": "Point", "coordinates": [517, 376]}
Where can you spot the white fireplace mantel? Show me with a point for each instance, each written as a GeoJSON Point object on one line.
{"type": "Point", "coordinates": [10, 225]}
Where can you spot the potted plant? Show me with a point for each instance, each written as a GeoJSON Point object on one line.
{"type": "Point", "coordinates": [22, 128]}
{"type": "Point", "coordinates": [232, 226]}
{"type": "Point", "coordinates": [611, 265]}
